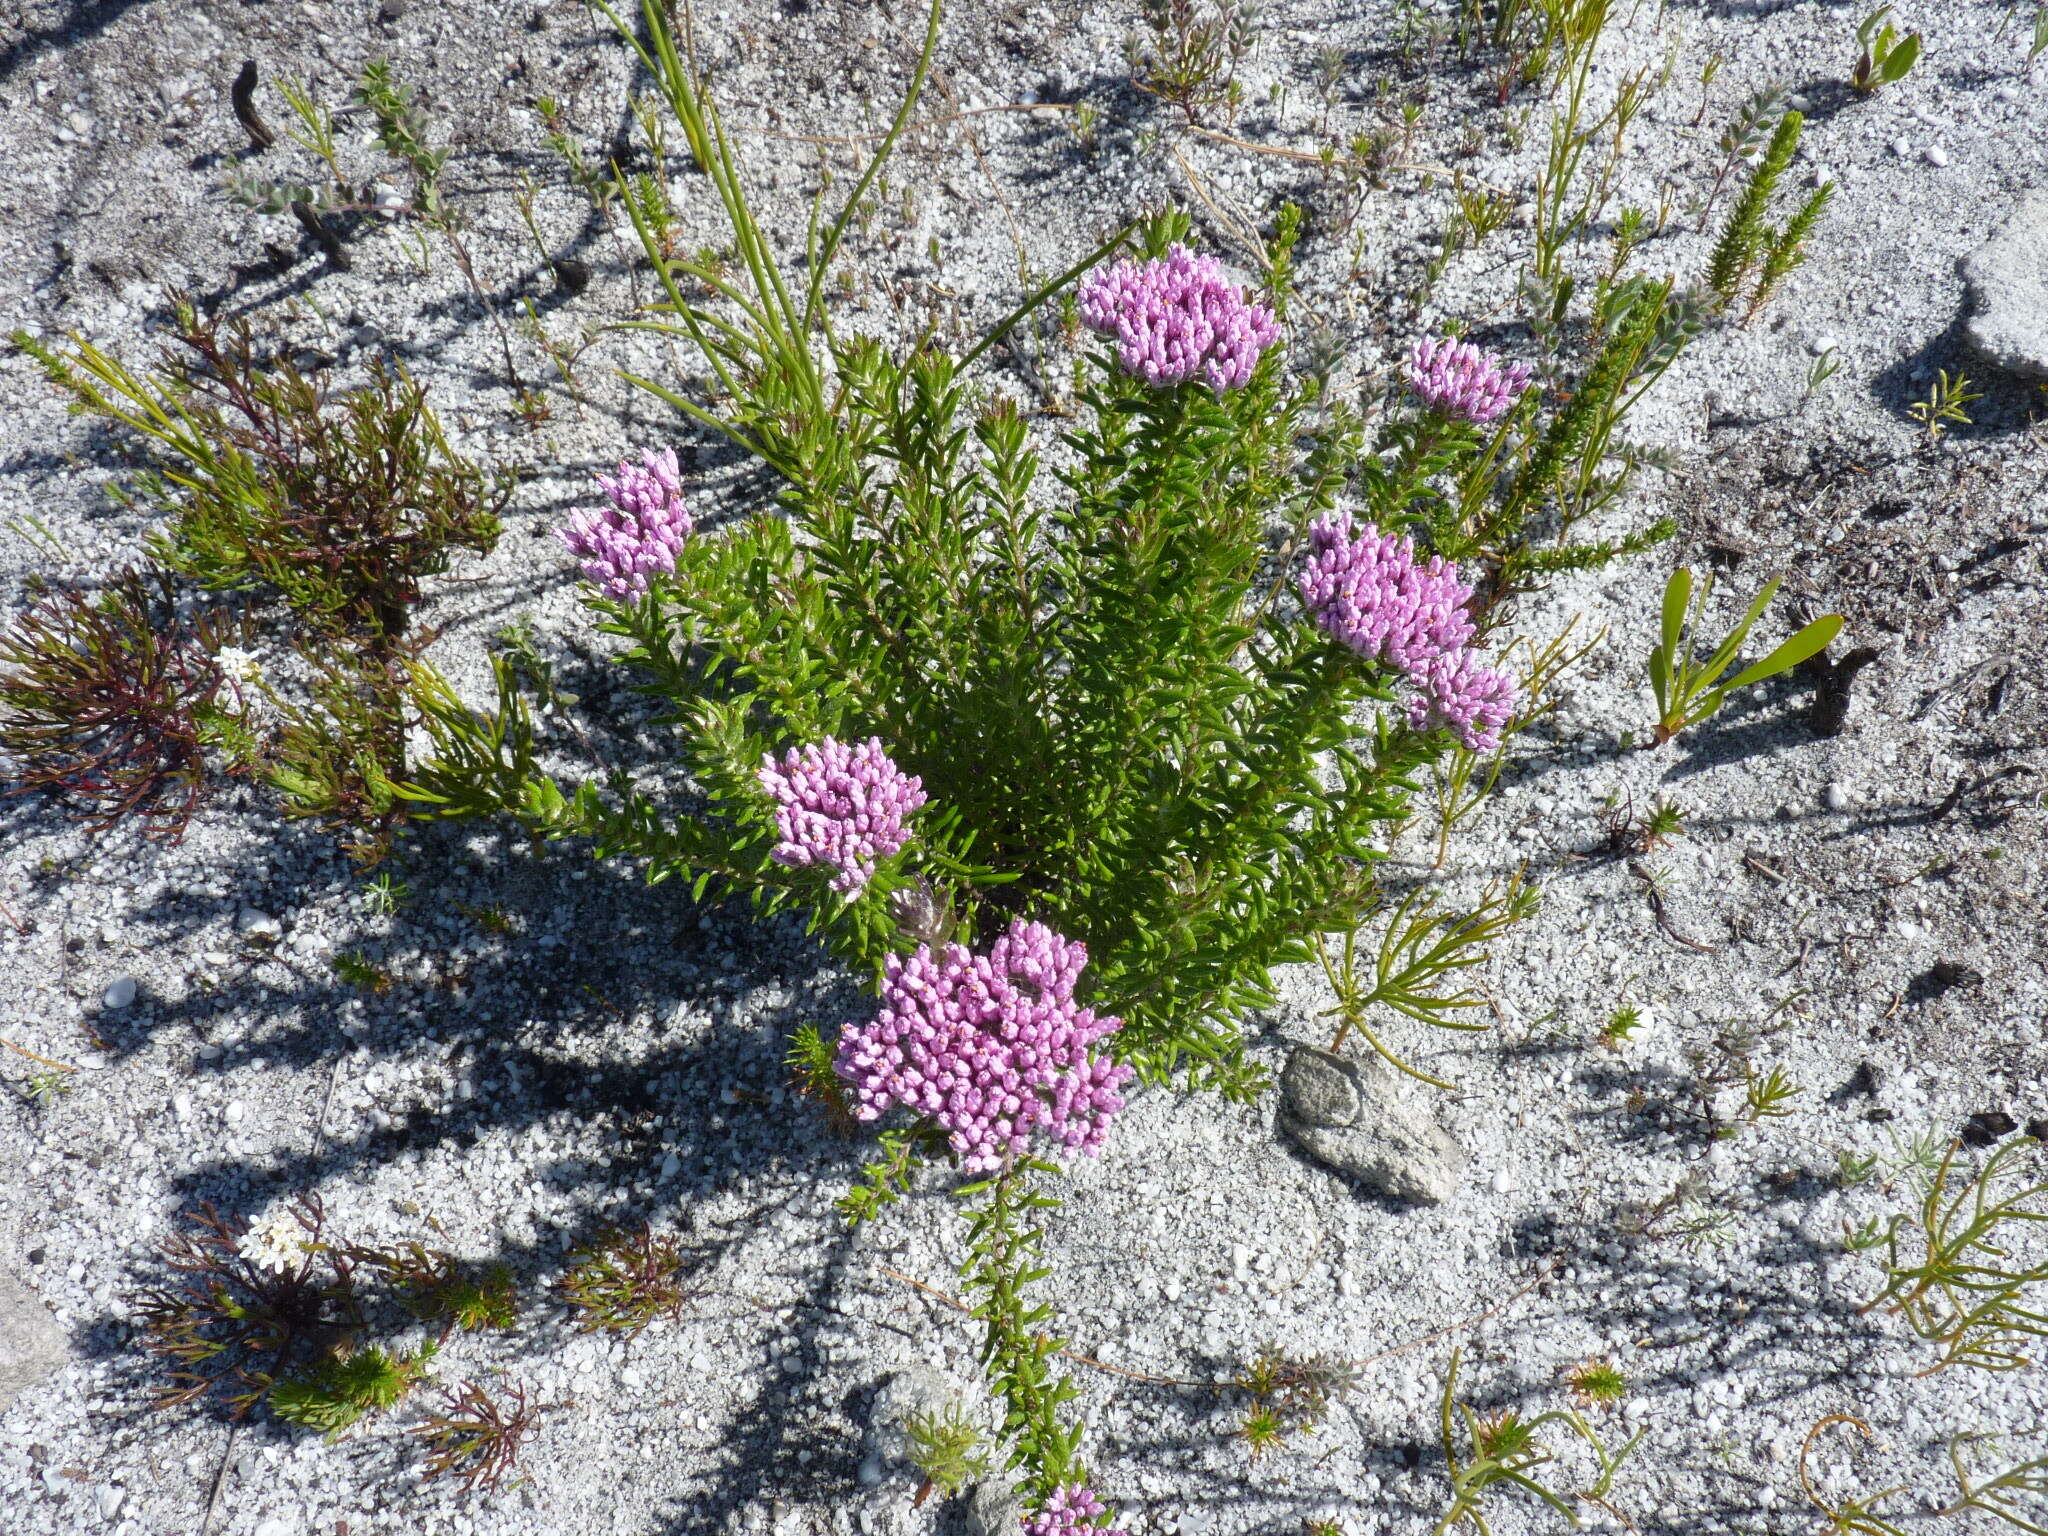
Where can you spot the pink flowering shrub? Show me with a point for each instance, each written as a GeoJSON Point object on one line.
{"type": "Point", "coordinates": [991, 1048]}
{"type": "Point", "coordinates": [1176, 318]}
{"type": "Point", "coordinates": [1455, 378]}
{"type": "Point", "coordinates": [639, 534]}
{"type": "Point", "coordinates": [840, 806]}
{"type": "Point", "coordinates": [1142, 780]}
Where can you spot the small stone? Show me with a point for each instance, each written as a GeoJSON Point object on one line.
{"type": "Point", "coordinates": [120, 992]}
{"type": "Point", "coordinates": [1987, 1126]}
{"type": "Point", "coordinates": [1503, 1183]}
{"type": "Point", "coordinates": [1934, 154]}
{"type": "Point", "coordinates": [233, 1113]}
{"type": "Point", "coordinates": [181, 1105]}
{"type": "Point", "coordinates": [1384, 1144]}
{"type": "Point", "coordinates": [1911, 931]}
{"type": "Point", "coordinates": [275, 1526]}
{"type": "Point", "coordinates": [110, 1498]}
{"type": "Point", "coordinates": [1320, 1089]}
{"type": "Point", "coordinates": [995, 1509]}
{"type": "Point", "coordinates": [1902, 147]}
{"type": "Point", "coordinates": [1823, 344]}
{"type": "Point", "coordinates": [32, 1345]}
{"type": "Point", "coordinates": [1835, 798]}
{"type": "Point", "coordinates": [253, 924]}
{"type": "Point", "coordinates": [2006, 279]}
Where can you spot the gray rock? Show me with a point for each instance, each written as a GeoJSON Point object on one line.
{"type": "Point", "coordinates": [995, 1509]}
{"type": "Point", "coordinates": [1344, 1114]}
{"type": "Point", "coordinates": [910, 1391]}
{"type": "Point", "coordinates": [2007, 278]}
{"type": "Point", "coordinates": [32, 1346]}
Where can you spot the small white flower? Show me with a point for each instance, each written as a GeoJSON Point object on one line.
{"type": "Point", "coordinates": [238, 665]}
{"type": "Point", "coordinates": [275, 1243]}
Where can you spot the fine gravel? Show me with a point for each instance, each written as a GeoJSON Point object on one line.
{"type": "Point", "coordinates": [563, 1047]}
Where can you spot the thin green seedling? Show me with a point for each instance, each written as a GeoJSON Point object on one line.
{"type": "Point", "coordinates": [1855, 1517]}
{"type": "Point", "coordinates": [1882, 56]}
{"type": "Point", "coordinates": [1766, 1096]}
{"type": "Point", "coordinates": [1419, 947]}
{"type": "Point", "coordinates": [1964, 1292]}
{"type": "Point", "coordinates": [1621, 1025]}
{"type": "Point", "coordinates": [1825, 367]}
{"type": "Point", "coordinates": [1503, 1453]}
{"type": "Point", "coordinates": [1854, 1168]}
{"type": "Point", "coordinates": [315, 131]}
{"type": "Point", "coordinates": [1689, 691]}
{"type": "Point", "coordinates": [1744, 139]}
{"type": "Point", "coordinates": [2039, 45]}
{"type": "Point", "coordinates": [2018, 1495]}
{"type": "Point", "coordinates": [1944, 404]}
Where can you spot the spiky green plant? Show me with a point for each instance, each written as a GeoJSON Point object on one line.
{"type": "Point", "coordinates": [1950, 1271]}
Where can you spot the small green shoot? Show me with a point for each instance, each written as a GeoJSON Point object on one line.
{"type": "Point", "coordinates": [1857, 1517]}
{"type": "Point", "coordinates": [1825, 367]}
{"type": "Point", "coordinates": [340, 1391]}
{"type": "Point", "coordinates": [1964, 1293]}
{"type": "Point", "coordinates": [947, 1452]}
{"type": "Point", "coordinates": [1688, 691]}
{"type": "Point", "coordinates": [385, 894]}
{"type": "Point", "coordinates": [358, 970]}
{"type": "Point", "coordinates": [2018, 1495]}
{"type": "Point", "coordinates": [1620, 1025]}
{"type": "Point", "coordinates": [1420, 945]}
{"type": "Point", "coordinates": [1597, 1383]}
{"type": "Point", "coordinates": [622, 1282]}
{"type": "Point", "coordinates": [1882, 57]}
{"type": "Point", "coordinates": [1503, 1452]}
{"type": "Point", "coordinates": [1944, 404]}
{"type": "Point", "coordinates": [1290, 1394]}
{"type": "Point", "coordinates": [1766, 1096]}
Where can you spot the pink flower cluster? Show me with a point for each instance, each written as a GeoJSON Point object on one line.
{"type": "Point", "coordinates": [1365, 589]}
{"type": "Point", "coordinates": [1177, 317]}
{"type": "Point", "coordinates": [1456, 691]}
{"type": "Point", "coordinates": [1071, 1511]}
{"type": "Point", "coordinates": [989, 1047]}
{"type": "Point", "coordinates": [1457, 379]}
{"type": "Point", "coordinates": [839, 805]}
{"type": "Point", "coordinates": [639, 534]}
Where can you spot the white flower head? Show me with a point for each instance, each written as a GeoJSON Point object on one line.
{"type": "Point", "coordinates": [274, 1243]}
{"type": "Point", "coordinates": [238, 665]}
